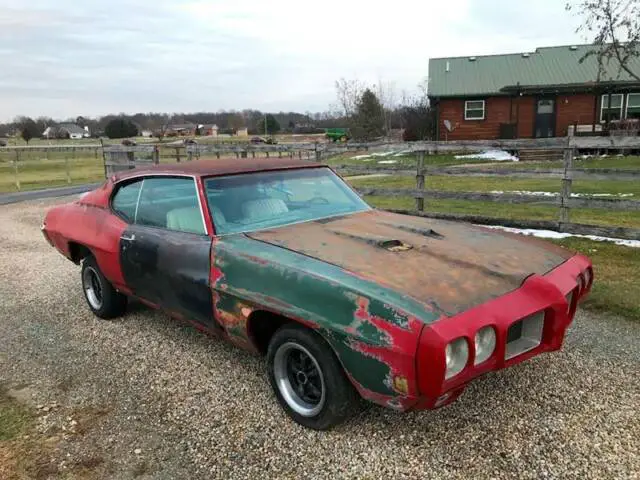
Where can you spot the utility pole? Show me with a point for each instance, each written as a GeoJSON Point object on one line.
{"type": "Point", "coordinates": [265, 125]}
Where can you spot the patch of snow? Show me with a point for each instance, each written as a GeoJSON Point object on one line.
{"type": "Point", "coordinates": [360, 157]}
{"type": "Point", "coordinates": [558, 235]}
{"type": "Point", "coordinates": [382, 154]}
{"type": "Point", "coordinates": [495, 155]}
{"type": "Point", "coordinates": [552, 194]}
{"type": "Point", "coordinates": [388, 161]}
{"type": "Point", "coordinates": [402, 153]}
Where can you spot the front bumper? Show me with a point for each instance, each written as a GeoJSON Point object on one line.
{"type": "Point", "coordinates": [556, 294]}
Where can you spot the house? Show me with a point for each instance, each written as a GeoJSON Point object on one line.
{"type": "Point", "coordinates": [546, 93]}
{"type": "Point", "coordinates": [181, 129]}
{"type": "Point", "coordinates": [66, 130]}
{"type": "Point", "coordinates": [209, 130]}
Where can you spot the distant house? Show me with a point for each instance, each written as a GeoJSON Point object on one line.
{"type": "Point", "coordinates": [181, 129]}
{"type": "Point", "coordinates": [66, 130]}
{"type": "Point", "coordinates": [242, 132]}
{"type": "Point", "coordinates": [146, 133]}
{"type": "Point", "coordinates": [209, 130]}
{"type": "Point", "coordinates": [546, 93]}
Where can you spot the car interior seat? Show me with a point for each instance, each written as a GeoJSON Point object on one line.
{"type": "Point", "coordinates": [263, 208]}
{"type": "Point", "coordinates": [186, 219]}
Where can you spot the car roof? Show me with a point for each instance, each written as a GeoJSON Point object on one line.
{"type": "Point", "coordinates": [222, 166]}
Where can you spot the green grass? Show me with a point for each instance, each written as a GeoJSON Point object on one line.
{"type": "Point", "coordinates": [15, 418]}
{"type": "Point", "coordinates": [512, 211]}
{"type": "Point", "coordinates": [34, 173]}
{"type": "Point", "coordinates": [629, 162]}
{"type": "Point", "coordinates": [487, 184]}
{"type": "Point", "coordinates": [616, 289]}
{"type": "Point", "coordinates": [405, 160]}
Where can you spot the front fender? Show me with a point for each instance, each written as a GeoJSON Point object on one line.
{"type": "Point", "coordinates": [374, 331]}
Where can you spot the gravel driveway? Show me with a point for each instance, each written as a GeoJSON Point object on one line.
{"type": "Point", "coordinates": [147, 397]}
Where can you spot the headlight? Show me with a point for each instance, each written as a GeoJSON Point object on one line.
{"type": "Point", "coordinates": [587, 277]}
{"type": "Point", "coordinates": [581, 283]}
{"type": "Point", "coordinates": [485, 344]}
{"type": "Point", "coordinates": [457, 353]}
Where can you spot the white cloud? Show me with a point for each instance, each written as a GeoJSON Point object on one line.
{"type": "Point", "coordinates": [68, 58]}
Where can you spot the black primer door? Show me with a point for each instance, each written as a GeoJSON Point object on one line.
{"type": "Point", "coordinates": [170, 269]}
{"type": "Point", "coordinates": [165, 252]}
{"type": "Point", "coordinates": [545, 121]}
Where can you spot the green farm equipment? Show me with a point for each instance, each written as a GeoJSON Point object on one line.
{"type": "Point", "coordinates": [338, 134]}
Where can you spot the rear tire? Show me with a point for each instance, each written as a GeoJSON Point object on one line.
{"type": "Point", "coordinates": [308, 380]}
{"type": "Point", "coordinates": [103, 300]}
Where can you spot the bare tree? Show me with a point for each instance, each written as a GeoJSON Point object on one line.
{"type": "Point", "coordinates": [161, 131]}
{"type": "Point", "coordinates": [387, 94]}
{"type": "Point", "coordinates": [615, 28]}
{"type": "Point", "coordinates": [349, 93]}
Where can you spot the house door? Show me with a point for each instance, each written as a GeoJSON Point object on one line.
{"type": "Point", "coordinates": [545, 121]}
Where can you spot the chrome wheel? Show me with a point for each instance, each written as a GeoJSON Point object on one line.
{"type": "Point", "coordinates": [92, 287]}
{"type": "Point", "coordinates": [299, 379]}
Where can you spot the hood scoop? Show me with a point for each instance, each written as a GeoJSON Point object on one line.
{"type": "Point", "coordinates": [390, 244]}
{"type": "Point", "coordinates": [425, 232]}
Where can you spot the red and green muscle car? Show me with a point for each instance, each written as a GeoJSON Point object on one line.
{"type": "Point", "coordinates": [283, 258]}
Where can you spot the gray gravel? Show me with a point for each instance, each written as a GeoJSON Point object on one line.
{"type": "Point", "coordinates": [145, 397]}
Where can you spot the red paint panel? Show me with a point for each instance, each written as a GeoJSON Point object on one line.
{"type": "Point", "coordinates": [92, 226]}
{"type": "Point", "coordinates": [538, 293]}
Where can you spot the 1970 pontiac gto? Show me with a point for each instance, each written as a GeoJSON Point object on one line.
{"type": "Point", "coordinates": [283, 258]}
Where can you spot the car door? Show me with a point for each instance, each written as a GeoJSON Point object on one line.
{"type": "Point", "coordinates": [165, 250]}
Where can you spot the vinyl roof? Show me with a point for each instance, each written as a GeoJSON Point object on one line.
{"type": "Point", "coordinates": [547, 66]}
{"type": "Point", "coordinates": [223, 166]}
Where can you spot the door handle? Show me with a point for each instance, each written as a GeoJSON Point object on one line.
{"type": "Point", "coordinates": [128, 239]}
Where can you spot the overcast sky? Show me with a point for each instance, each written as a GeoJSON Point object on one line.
{"type": "Point", "coordinates": [64, 58]}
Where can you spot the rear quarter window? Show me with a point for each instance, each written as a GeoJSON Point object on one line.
{"type": "Point", "coordinates": [125, 200]}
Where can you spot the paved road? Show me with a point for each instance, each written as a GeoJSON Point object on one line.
{"type": "Point", "coordinates": [7, 198]}
{"type": "Point", "coordinates": [153, 399]}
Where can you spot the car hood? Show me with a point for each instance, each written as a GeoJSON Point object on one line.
{"type": "Point", "coordinates": [449, 266]}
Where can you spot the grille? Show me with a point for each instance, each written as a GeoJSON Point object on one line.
{"type": "Point", "coordinates": [524, 335]}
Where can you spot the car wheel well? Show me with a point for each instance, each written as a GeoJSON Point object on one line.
{"type": "Point", "coordinates": [78, 252]}
{"type": "Point", "coordinates": [261, 325]}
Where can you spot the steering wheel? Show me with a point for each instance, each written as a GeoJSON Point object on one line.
{"type": "Point", "coordinates": [318, 201]}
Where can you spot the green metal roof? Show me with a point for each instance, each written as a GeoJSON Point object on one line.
{"type": "Point", "coordinates": [546, 66]}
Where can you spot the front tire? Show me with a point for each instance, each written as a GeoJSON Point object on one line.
{"type": "Point", "coordinates": [103, 300]}
{"type": "Point", "coordinates": [308, 380]}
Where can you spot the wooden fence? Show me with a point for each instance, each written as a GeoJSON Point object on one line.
{"type": "Point", "coordinates": [120, 157]}
{"type": "Point", "coordinates": [563, 200]}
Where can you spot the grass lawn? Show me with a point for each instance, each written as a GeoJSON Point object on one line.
{"type": "Point", "coordinates": [34, 174]}
{"type": "Point", "coordinates": [617, 287]}
{"type": "Point", "coordinates": [513, 211]}
{"type": "Point", "coordinates": [488, 184]}
{"type": "Point", "coordinates": [408, 160]}
{"type": "Point", "coordinates": [629, 162]}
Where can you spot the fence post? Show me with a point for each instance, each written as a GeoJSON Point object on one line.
{"type": "Point", "coordinates": [66, 166]}
{"type": "Point", "coordinates": [567, 179]}
{"type": "Point", "coordinates": [15, 163]}
{"type": "Point", "coordinates": [318, 153]}
{"type": "Point", "coordinates": [156, 155]}
{"type": "Point", "coordinates": [189, 155]}
{"type": "Point", "coordinates": [178, 154]}
{"type": "Point", "coordinates": [420, 181]}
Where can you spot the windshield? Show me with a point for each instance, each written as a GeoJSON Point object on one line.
{"type": "Point", "coordinates": [254, 201]}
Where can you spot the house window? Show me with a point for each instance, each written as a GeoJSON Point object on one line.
{"type": "Point", "coordinates": [613, 111]}
{"type": "Point", "coordinates": [474, 110]}
{"type": "Point", "coordinates": [633, 105]}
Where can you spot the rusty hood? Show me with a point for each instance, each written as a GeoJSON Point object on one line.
{"type": "Point", "coordinates": [449, 266]}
